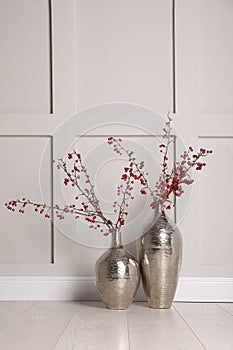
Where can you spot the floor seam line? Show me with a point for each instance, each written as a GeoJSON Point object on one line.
{"type": "Point", "coordinates": [190, 328]}
{"type": "Point", "coordinates": [14, 319]}
{"type": "Point", "coordinates": [64, 329]}
{"type": "Point", "coordinates": [127, 326]}
{"type": "Point", "coordinates": [222, 308]}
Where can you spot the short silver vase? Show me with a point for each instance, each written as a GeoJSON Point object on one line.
{"type": "Point", "coordinates": [160, 254]}
{"type": "Point", "coordinates": [117, 275]}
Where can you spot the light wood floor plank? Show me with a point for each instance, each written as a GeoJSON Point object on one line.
{"type": "Point", "coordinates": [159, 329]}
{"type": "Point", "coordinates": [70, 325]}
{"type": "Point", "coordinates": [9, 310]}
{"type": "Point", "coordinates": [228, 307]}
{"type": "Point", "coordinates": [39, 327]}
{"type": "Point", "coordinates": [212, 325]}
{"type": "Point", "coordinates": [94, 327]}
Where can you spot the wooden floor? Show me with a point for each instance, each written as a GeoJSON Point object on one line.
{"type": "Point", "coordinates": [69, 325]}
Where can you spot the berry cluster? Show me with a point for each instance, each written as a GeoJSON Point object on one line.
{"type": "Point", "coordinates": [87, 204]}
{"type": "Point", "coordinates": [135, 170]}
{"type": "Point", "coordinates": [170, 181]}
{"type": "Point", "coordinates": [168, 186]}
{"type": "Point", "coordinates": [21, 205]}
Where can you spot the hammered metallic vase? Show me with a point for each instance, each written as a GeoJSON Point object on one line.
{"type": "Point", "coordinates": [117, 276]}
{"type": "Point", "coordinates": [160, 254]}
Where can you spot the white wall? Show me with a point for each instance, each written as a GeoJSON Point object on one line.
{"type": "Point", "coordinates": [61, 59]}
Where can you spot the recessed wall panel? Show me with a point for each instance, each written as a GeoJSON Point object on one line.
{"type": "Point", "coordinates": [215, 203]}
{"type": "Point", "coordinates": [124, 53]}
{"type": "Point", "coordinates": [24, 60]}
{"type": "Point", "coordinates": [24, 238]}
{"type": "Point", "coordinates": [215, 52]}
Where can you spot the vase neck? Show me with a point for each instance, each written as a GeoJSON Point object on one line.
{"type": "Point", "coordinates": [116, 239]}
{"type": "Point", "coordinates": [159, 210]}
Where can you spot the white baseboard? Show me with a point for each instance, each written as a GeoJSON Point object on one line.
{"type": "Point", "coordinates": [190, 289]}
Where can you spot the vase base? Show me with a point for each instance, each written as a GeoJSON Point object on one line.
{"type": "Point", "coordinates": [116, 308]}
{"type": "Point", "coordinates": [160, 307]}
{"type": "Point", "coordinates": [157, 305]}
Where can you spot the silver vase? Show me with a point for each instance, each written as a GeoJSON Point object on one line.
{"type": "Point", "coordinates": [117, 275]}
{"type": "Point", "coordinates": [160, 254]}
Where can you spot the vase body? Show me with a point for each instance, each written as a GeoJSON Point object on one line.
{"type": "Point", "coordinates": [160, 254]}
{"type": "Point", "coordinates": [117, 275]}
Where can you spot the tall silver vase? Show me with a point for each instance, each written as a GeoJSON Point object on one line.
{"type": "Point", "coordinates": [160, 254]}
{"type": "Point", "coordinates": [117, 275]}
